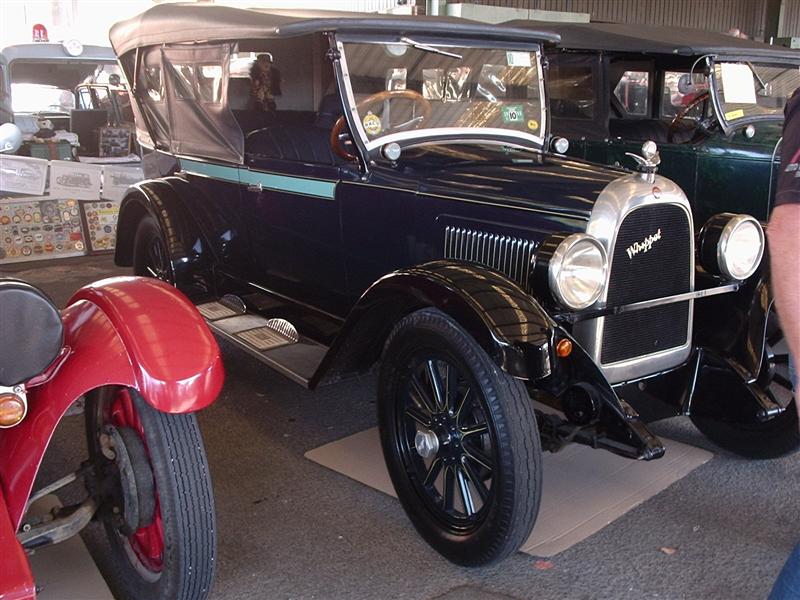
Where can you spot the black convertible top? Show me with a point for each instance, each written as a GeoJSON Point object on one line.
{"type": "Point", "coordinates": [620, 37]}
{"type": "Point", "coordinates": [181, 23]}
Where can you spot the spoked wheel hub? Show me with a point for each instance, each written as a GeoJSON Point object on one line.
{"type": "Point", "coordinates": [446, 443]}
{"type": "Point", "coordinates": [135, 478]}
{"type": "Point", "coordinates": [139, 518]}
{"type": "Point", "coordinates": [774, 376]}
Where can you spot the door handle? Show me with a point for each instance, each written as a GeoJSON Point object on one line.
{"type": "Point", "coordinates": [255, 187]}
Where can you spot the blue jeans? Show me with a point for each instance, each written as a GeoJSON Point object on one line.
{"type": "Point", "coordinates": [787, 586]}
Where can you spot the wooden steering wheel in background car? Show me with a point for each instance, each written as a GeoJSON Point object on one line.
{"type": "Point", "coordinates": [339, 136]}
{"type": "Point", "coordinates": [682, 115]}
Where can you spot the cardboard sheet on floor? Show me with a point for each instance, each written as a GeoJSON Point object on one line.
{"type": "Point", "coordinates": [583, 491]}
{"type": "Point", "coordinates": [65, 571]}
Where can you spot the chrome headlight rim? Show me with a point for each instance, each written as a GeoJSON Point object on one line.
{"type": "Point", "coordinates": [725, 236]}
{"type": "Point", "coordinates": [556, 264]}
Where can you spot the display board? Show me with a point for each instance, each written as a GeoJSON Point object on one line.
{"type": "Point", "coordinates": [40, 227]}
{"type": "Point", "coordinates": [59, 209]}
{"type": "Point", "coordinates": [100, 219]}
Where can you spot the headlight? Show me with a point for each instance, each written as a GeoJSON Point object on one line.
{"type": "Point", "coordinates": [732, 245]}
{"type": "Point", "coordinates": [577, 271]}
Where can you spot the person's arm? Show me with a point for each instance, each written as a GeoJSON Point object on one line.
{"type": "Point", "coordinates": [783, 232]}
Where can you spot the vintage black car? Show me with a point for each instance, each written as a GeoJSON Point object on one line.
{"type": "Point", "coordinates": [713, 103]}
{"type": "Point", "coordinates": [381, 192]}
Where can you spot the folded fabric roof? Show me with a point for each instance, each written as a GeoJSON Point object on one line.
{"type": "Point", "coordinates": [185, 23]}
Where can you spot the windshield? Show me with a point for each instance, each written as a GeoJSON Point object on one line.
{"type": "Point", "coordinates": [748, 90]}
{"type": "Point", "coordinates": [410, 90]}
{"type": "Point", "coordinates": [34, 98]}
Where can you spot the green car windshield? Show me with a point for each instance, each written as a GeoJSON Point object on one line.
{"type": "Point", "coordinates": [410, 91]}
{"type": "Point", "coordinates": [747, 90]}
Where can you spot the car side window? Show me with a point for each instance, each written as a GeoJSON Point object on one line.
{"type": "Point", "coordinates": [680, 90]}
{"type": "Point", "coordinates": [571, 90]}
{"type": "Point", "coordinates": [633, 93]}
{"type": "Point", "coordinates": [284, 99]}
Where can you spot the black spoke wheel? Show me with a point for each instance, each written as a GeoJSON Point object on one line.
{"type": "Point", "coordinates": [779, 435]}
{"type": "Point", "coordinates": [155, 499]}
{"type": "Point", "coordinates": [460, 441]}
{"type": "Point", "coordinates": [150, 256]}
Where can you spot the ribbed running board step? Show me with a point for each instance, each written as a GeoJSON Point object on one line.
{"type": "Point", "coordinates": [274, 342]}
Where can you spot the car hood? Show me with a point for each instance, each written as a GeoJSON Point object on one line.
{"type": "Point", "coordinates": [550, 183]}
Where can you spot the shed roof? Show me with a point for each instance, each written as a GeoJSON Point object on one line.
{"type": "Point", "coordinates": [622, 37]}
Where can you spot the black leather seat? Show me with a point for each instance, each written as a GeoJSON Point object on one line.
{"type": "Point", "coordinates": [300, 143]}
{"type": "Point", "coordinates": [239, 101]}
{"type": "Point", "coordinates": [32, 331]}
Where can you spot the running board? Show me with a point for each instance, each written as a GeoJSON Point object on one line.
{"type": "Point", "coordinates": [274, 342]}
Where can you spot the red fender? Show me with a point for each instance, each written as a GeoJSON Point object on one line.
{"type": "Point", "coordinates": [131, 331]}
{"type": "Point", "coordinates": [16, 579]}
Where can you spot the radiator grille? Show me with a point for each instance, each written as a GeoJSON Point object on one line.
{"type": "Point", "coordinates": [509, 255]}
{"type": "Point", "coordinates": [638, 274]}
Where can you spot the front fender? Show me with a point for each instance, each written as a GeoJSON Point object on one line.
{"type": "Point", "coordinates": [164, 199]}
{"type": "Point", "coordinates": [734, 325]}
{"type": "Point", "coordinates": [504, 319]}
{"type": "Point", "coordinates": [174, 357]}
{"type": "Point", "coordinates": [127, 331]}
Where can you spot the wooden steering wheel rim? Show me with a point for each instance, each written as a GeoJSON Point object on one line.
{"type": "Point", "coordinates": [339, 126]}
{"type": "Point", "coordinates": [682, 114]}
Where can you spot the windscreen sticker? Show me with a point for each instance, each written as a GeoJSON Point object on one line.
{"type": "Point", "coordinates": [433, 84]}
{"type": "Point", "coordinates": [738, 85]}
{"type": "Point", "coordinates": [372, 124]}
{"type": "Point", "coordinates": [518, 59]}
{"type": "Point", "coordinates": [734, 114]}
{"type": "Point", "coordinates": [533, 124]}
{"type": "Point", "coordinates": [513, 113]}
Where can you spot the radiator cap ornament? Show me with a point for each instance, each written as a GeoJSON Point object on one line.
{"type": "Point", "coordinates": [648, 162]}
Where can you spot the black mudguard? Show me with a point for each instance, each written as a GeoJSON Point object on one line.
{"type": "Point", "coordinates": [188, 247]}
{"type": "Point", "coordinates": [506, 321]}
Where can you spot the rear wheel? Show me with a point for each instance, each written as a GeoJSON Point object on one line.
{"type": "Point", "coordinates": [773, 438]}
{"type": "Point", "coordinates": [156, 500]}
{"type": "Point", "coordinates": [150, 256]}
{"type": "Point", "coordinates": [460, 441]}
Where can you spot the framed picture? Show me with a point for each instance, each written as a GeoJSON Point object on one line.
{"type": "Point", "coordinates": [115, 141]}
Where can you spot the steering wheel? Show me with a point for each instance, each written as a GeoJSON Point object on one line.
{"type": "Point", "coordinates": [339, 136]}
{"type": "Point", "coordinates": [673, 126]}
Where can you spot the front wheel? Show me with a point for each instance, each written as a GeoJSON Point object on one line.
{"type": "Point", "coordinates": [460, 441]}
{"type": "Point", "coordinates": [155, 497]}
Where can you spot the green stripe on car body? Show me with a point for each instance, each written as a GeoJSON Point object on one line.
{"type": "Point", "coordinates": [283, 183]}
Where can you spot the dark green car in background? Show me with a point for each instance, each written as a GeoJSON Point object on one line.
{"type": "Point", "coordinates": [713, 103]}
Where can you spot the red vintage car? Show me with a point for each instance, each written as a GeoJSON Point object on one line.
{"type": "Point", "coordinates": [140, 358]}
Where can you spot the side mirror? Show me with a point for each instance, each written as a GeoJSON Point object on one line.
{"type": "Point", "coordinates": [10, 138]}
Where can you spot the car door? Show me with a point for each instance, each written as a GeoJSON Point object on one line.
{"type": "Point", "coordinates": [290, 178]}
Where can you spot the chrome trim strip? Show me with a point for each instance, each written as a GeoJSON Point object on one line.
{"type": "Point", "coordinates": [615, 310]}
{"type": "Point", "coordinates": [472, 133]}
{"type": "Point", "coordinates": [615, 202]}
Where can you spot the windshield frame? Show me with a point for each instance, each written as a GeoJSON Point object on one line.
{"type": "Point", "coordinates": [416, 137]}
{"type": "Point", "coordinates": [728, 126]}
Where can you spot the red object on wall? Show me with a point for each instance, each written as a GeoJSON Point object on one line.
{"type": "Point", "coordinates": [39, 33]}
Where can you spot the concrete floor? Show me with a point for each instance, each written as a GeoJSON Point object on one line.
{"type": "Point", "coordinates": [289, 528]}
